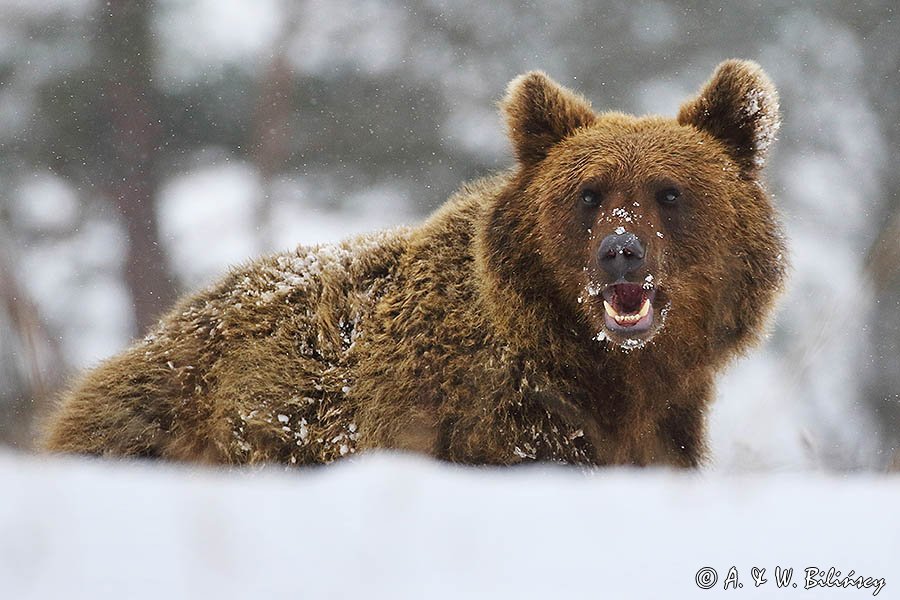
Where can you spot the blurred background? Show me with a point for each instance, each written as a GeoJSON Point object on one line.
{"type": "Point", "coordinates": [146, 146]}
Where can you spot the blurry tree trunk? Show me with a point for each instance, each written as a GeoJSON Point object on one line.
{"type": "Point", "coordinates": [131, 106]}
{"type": "Point", "coordinates": [894, 465]}
{"type": "Point", "coordinates": [884, 257]}
{"type": "Point", "coordinates": [40, 359]}
{"type": "Point", "coordinates": [883, 267]}
{"type": "Point", "coordinates": [272, 128]}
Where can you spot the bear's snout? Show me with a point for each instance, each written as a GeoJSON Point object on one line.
{"type": "Point", "coordinates": [621, 254]}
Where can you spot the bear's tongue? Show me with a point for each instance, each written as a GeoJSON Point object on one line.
{"type": "Point", "coordinates": [627, 298]}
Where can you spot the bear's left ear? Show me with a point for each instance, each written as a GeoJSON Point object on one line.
{"type": "Point", "coordinates": [540, 113]}
{"type": "Point", "coordinates": [739, 106]}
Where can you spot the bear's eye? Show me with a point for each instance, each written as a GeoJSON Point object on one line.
{"type": "Point", "coordinates": [668, 196]}
{"type": "Point", "coordinates": [590, 197]}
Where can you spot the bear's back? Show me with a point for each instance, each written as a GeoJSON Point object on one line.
{"type": "Point", "coordinates": [254, 368]}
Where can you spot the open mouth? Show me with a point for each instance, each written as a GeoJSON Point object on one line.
{"type": "Point", "coordinates": [629, 307]}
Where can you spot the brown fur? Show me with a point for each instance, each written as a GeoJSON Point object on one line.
{"type": "Point", "coordinates": [471, 338]}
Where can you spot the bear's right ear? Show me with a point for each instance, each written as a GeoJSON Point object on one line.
{"type": "Point", "coordinates": [540, 113]}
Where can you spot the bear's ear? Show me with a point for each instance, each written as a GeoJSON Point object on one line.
{"type": "Point", "coordinates": [539, 113]}
{"type": "Point", "coordinates": [739, 106]}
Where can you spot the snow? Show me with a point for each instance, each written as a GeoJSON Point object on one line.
{"type": "Point", "coordinates": [208, 216]}
{"type": "Point", "coordinates": [761, 106]}
{"type": "Point", "coordinates": [624, 214]}
{"type": "Point", "coordinates": [97, 316]}
{"type": "Point", "coordinates": [302, 213]}
{"type": "Point", "coordinates": [198, 37]}
{"type": "Point", "coordinates": [46, 203]}
{"type": "Point", "coordinates": [371, 35]}
{"type": "Point", "coordinates": [393, 526]}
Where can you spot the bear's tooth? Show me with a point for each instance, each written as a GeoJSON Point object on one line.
{"type": "Point", "coordinates": [645, 308]}
{"type": "Point", "coordinates": [627, 318]}
{"type": "Point", "coordinates": [610, 310]}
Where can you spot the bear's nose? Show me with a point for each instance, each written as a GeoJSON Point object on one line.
{"type": "Point", "coordinates": [621, 254]}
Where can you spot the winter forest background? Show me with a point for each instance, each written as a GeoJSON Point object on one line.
{"type": "Point", "coordinates": [146, 146]}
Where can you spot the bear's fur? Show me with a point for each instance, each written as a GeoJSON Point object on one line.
{"type": "Point", "coordinates": [482, 336]}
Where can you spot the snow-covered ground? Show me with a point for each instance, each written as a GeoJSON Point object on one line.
{"type": "Point", "coordinates": [389, 526]}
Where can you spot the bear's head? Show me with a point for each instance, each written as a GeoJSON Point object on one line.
{"type": "Point", "coordinates": [646, 227]}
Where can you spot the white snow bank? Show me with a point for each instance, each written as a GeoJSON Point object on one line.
{"type": "Point", "coordinates": [387, 526]}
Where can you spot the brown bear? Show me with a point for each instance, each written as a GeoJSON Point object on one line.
{"type": "Point", "coordinates": [574, 309]}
